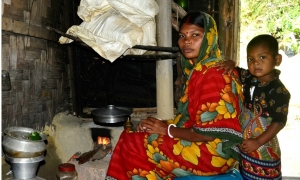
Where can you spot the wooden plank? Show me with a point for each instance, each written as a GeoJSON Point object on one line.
{"type": "Point", "coordinates": [13, 52]}
{"type": "Point", "coordinates": [54, 74]}
{"type": "Point", "coordinates": [44, 64]}
{"type": "Point", "coordinates": [20, 27]}
{"type": "Point", "coordinates": [4, 117]}
{"type": "Point", "coordinates": [32, 91]}
{"type": "Point", "coordinates": [47, 22]}
{"type": "Point", "coordinates": [23, 64]}
{"type": "Point", "coordinates": [60, 89]}
{"type": "Point", "coordinates": [26, 74]}
{"type": "Point", "coordinates": [27, 17]}
{"type": "Point", "coordinates": [13, 12]}
{"type": "Point", "coordinates": [226, 28]}
{"type": "Point", "coordinates": [5, 60]}
{"type": "Point", "coordinates": [47, 3]}
{"type": "Point", "coordinates": [7, 24]}
{"type": "Point", "coordinates": [6, 98]}
{"type": "Point", "coordinates": [51, 55]}
{"type": "Point", "coordinates": [27, 41]}
{"type": "Point", "coordinates": [46, 118]}
{"type": "Point", "coordinates": [38, 121]}
{"type": "Point", "coordinates": [32, 64]}
{"type": "Point", "coordinates": [61, 57]}
{"type": "Point", "coordinates": [5, 38]}
{"type": "Point", "coordinates": [34, 107]}
{"type": "Point", "coordinates": [44, 8]}
{"type": "Point", "coordinates": [38, 79]}
{"type": "Point", "coordinates": [55, 102]}
{"type": "Point", "coordinates": [35, 13]}
{"type": "Point", "coordinates": [11, 121]}
{"type": "Point", "coordinates": [26, 87]}
{"type": "Point", "coordinates": [18, 107]}
{"type": "Point", "coordinates": [36, 43]}
{"type": "Point", "coordinates": [20, 47]}
{"type": "Point", "coordinates": [6, 2]}
{"type": "Point", "coordinates": [36, 31]}
{"type": "Point", "coordinates": [5, 52]}
{"type": "Point", "coordinates": [22, 4]}
{"type": "Point", "coordinates": [12, 97]}
{"type": "Point", "coordinates": [13, 118]}
{"type": "Point", "coordinates": [50, 13]}
{"type": "Point", "coordinates": [25, 120]}
{"type": "Point", "coordinates": [236, 32]}
{"type": "Point", "coordinates": [31, 55]}
{"type": "Point", "coordinates": [46, 94]}
{"type": "Point", "coordinates": [17, 85]}
{"type": "Point", "coordinates": [49, 84]}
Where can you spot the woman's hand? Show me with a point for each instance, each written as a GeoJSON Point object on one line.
{"type": "Point", "coordinates": [152, 125]}
{"type": "Point", "coordinates": [228, 66]}
{"type": "Point", "coordinates": [249, 145]}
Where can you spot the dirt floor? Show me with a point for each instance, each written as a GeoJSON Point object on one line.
{"type": "Point", "coordinates": [289, 144]}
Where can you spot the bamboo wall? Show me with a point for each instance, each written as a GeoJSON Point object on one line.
{"type": "Point", "coordinates": [37, 64]}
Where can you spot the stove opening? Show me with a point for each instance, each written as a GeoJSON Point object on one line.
{"type": "Point", "coordinates": [101, 135]}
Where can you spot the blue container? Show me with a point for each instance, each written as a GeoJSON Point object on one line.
{"type": "Point", "coordinates": [234, 174]}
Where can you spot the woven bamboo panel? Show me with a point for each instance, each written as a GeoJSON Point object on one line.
{"type": "Point", "coordinates": [37, 64]}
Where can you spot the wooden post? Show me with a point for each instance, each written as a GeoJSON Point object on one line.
{"type": "Point", "coordinates": [228, 28]}
{"type": "Point", "coordinates": [164, 68]}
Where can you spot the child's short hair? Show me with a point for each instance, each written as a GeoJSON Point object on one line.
{"type": "Point", "coordinates": [267, 40]}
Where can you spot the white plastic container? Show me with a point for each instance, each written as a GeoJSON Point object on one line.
{"type": "Point", "coordinates": [66, 171]}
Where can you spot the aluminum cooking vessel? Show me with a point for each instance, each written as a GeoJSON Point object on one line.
{"type": "Point", "coordinates": [111, 114]}
{"type": "Point", "coordinates": [16, 144]}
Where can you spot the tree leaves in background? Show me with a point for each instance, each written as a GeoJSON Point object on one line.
{"type": "Point", "coordinates": [281, 18]}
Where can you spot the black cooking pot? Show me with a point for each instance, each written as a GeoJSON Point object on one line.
{"type": "Point", "coordinates": [111, 114]}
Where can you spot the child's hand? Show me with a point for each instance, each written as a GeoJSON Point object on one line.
{"type": "Point", "coordinates": [228, 66]}
{"type": "Point", "coordinates": [249, 145]}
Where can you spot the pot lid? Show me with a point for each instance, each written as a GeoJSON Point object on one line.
{"type": "Point", "coordinates": [110, 111]}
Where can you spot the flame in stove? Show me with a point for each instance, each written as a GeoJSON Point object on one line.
{"type": "Point", "coordinates": [103, 140]}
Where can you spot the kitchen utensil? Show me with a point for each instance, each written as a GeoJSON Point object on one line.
{"type": "Point", "coordinates": [16, 143]}
{"type": "Point", "coordinates": [111, 114]}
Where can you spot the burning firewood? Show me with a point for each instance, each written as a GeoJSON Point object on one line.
{"type": "Point", "coordinates": [96, 154]}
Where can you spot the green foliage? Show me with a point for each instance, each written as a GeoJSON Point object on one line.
{"type": "Point", "coordinates": [34, 136]}
{"type": "Point", "coordinates": [281, 18]}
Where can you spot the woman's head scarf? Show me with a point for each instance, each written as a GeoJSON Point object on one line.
{"type": "Point", "coordinates": [209, 50]}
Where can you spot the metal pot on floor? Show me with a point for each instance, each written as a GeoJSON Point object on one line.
{"type": "Point", "coordinates": [23, 153]}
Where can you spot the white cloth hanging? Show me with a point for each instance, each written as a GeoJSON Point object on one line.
{"type": "Point", "coordinates": [111, 27]}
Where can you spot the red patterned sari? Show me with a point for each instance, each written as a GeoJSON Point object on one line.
{"type": "Point", "coordinates": [210, 105]}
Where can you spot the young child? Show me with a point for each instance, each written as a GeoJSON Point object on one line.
{"type": "Point", "coordinates": [265, 109]}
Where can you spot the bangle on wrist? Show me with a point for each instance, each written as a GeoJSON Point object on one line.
{"type": "Point", "coordinates": [168, 130]}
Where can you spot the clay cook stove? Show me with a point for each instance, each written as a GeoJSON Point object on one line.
{"type": "Point", "coordinates": [102, 146]}
{"type": "Point", "coordinates": [73, 134]}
